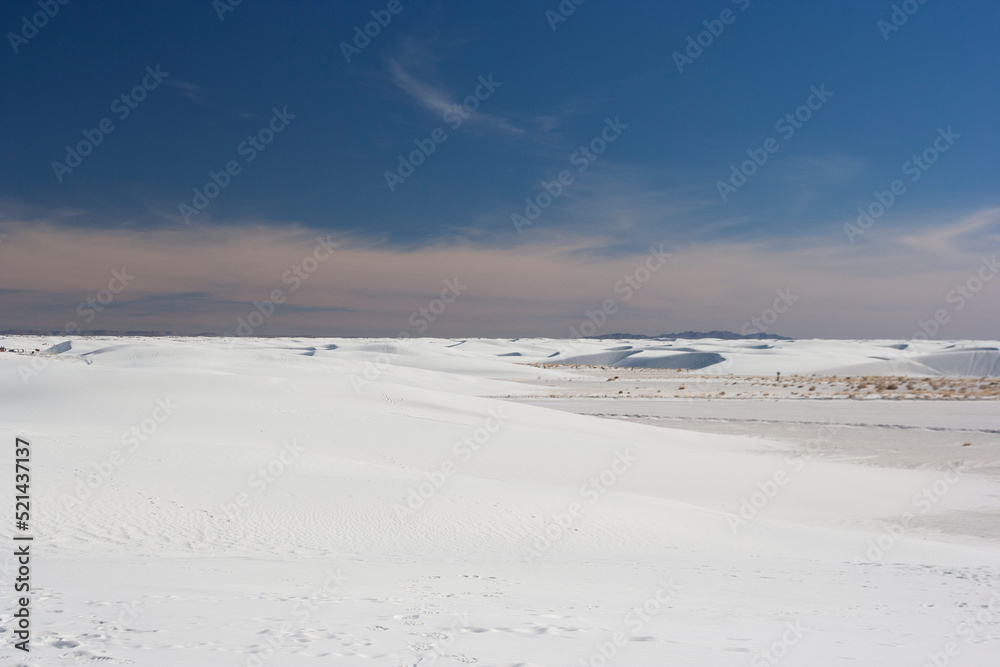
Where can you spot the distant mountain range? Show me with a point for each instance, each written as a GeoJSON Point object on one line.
{"type": "Point", "coordinates": [95, 332]}
{"type": "Point", "coordinates": [725, 335]}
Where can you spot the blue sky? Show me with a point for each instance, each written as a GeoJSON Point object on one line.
{"type": "Point", "coordinates": [553, 87]}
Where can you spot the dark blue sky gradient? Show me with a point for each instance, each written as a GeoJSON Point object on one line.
{"type": "Point", "coordinates": [610, 67]}
{"type": "Point", "coordinates": [608, 59]}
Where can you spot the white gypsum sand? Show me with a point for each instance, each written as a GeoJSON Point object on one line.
{"type": "Point", "coordinates": [305, 501]}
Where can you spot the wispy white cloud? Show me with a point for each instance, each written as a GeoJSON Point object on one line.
{"type": "Point", "coordinates": [190, 90]}
{"type": "Point", "coordinates": [945, 239]}
{"type": "Point", "coordinates": [414, 71]}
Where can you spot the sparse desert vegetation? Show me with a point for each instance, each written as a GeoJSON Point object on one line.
{"type": "Point", "coordinates": [661, 383]}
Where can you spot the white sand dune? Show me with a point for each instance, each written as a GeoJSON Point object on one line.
{"type": "Point", "coordinates": [341, 501]}
{"type": "Point", "coordinates": [752, 357]}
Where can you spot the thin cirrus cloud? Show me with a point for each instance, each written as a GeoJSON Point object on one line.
{"type": "Point", "coordinates": [412, 71]}
{"type": "Point", "coordinates": [201, 278]}
{"type": "Point", "coordinates": [947, 240]}
{"type": "Point", "coordinates": [190, 90]}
